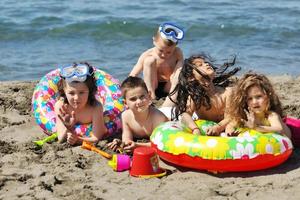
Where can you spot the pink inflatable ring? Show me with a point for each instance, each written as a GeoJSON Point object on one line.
{"type": "Point", "coordinates": [108, 93]}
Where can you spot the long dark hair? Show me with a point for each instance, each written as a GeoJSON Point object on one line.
{"type": "Point", "coordinates": [189, 86]}
{"type": "Point", "coordinates": [90, 82]}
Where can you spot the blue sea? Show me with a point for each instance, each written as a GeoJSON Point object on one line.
{"type": "Point", "coordinates": [38, 36]}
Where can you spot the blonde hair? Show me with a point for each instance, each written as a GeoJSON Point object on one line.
{"type": "Point", "coordinates": [239, 101]}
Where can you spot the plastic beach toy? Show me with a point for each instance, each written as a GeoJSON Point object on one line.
{"type": "Point", "coordinates": [50, 138]}
{"type": "Point", "coordinates": [294, 125]}
{"type": "Point", "coordinates": [145, 163]}
{"type": "Point", "coordinates": [91, 147]}
{"type": "Point", "coordinates": [249, 151]}
{"type": "Point", "coordinates": [120, 162]}
{"type": "Point", "coordinates": [108, 93]}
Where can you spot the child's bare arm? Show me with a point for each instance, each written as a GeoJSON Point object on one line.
{"type": "Point", "coordinates": [228, 124]}
{"type": "Point", "coordinates": [61, 129]}
{"type": "Point", "coordinates": [99, 129]}
{"type": "Point", "coordinates": [277, 125]}
{"type": "Point", "coordinates": [189, 122]}
{"type": "Point", "coordinates": [179, 56]}
{"type": "Point", "coordinates": [138, 67]}
{"type": "Point", "coordinates": [127, 134]}
{"type": "Point", "coordinates": [218, 128]}
{"type": "Point", "coordinates": [187, 119]}
{"type": "Point", "coordinates": [177, 69]}
{"type": "Point", "coordinates": [150, 75]}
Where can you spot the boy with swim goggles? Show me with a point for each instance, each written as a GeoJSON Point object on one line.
{"type": "Point", "coordinates": [160, 63]}
{"type": "Point", "coordinates": [171, 32]}
{"type": "Point", "coordinates": [76, 72]}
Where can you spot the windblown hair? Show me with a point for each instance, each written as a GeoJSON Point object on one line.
{"type": "Point", "coordinates": [189, 86]}
{"type": "Point", "coordinates": [238, 106]}
{"type": "Point", "coordinates": [89, 82]}
{"type": "Point", "coordinates": [132, 82]}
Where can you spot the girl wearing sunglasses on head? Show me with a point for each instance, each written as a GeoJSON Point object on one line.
{"type": "Point", "coordinates": [77, 105]}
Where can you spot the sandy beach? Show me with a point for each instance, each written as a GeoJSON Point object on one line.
{"type": "Point", "coordinates": [58, 171]}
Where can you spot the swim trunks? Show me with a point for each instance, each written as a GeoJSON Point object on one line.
{"type": "Point", "coordinates": [159, 91]}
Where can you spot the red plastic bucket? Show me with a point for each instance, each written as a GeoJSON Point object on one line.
{"type": "Point", "coordinates": [145, 163]}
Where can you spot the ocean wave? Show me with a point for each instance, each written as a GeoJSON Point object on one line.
{"type": "Point", "coordinates": [46, 21]}
{"type": "Point", "coordinates": [224, 30]}
{"type": "Point", "coordinates": [44, 27]}
{"type": "Point", "coordinates": [36, 35]}
{"type": "Point", "coordinates": [55, 27]}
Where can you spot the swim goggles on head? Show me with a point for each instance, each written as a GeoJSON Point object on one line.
{"type": "Point", "coordinates": [171, 32]}
{"type": "Point", "coordinates": [76, 72]}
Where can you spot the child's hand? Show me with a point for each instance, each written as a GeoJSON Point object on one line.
{"type": "Point", "coordinates": [196, 131]}
{"type": "Point", "coordinates": [231, 131]}
{"type": "Point", "coordinates": [129, 146]}
{"type": "Point", "coordinates": [250, 123]}
{"type": "Point", "coordinates": [214, 130]}
{"type": "Point", "coordinates": [68, 119]}
{"type": "Point", "coordinates": [115, 144]}
{"type": "Point", "coordinates": [72, 138]}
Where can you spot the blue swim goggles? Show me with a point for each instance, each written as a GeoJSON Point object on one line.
{"type": "Point", "coordinates": [171, 32]}
{"type": "Point", "coordinates": [76, 72]}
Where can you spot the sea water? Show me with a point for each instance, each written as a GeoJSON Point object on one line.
{"type": "Point", "coordinates": [39, 36]}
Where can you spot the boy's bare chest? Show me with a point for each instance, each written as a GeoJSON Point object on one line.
{"type": "Point", "coordinates": [166, 64]}
{"type": "Point", "coordinates": [142, 129]}
{"type": "Point", "coordinates": [165, 67]}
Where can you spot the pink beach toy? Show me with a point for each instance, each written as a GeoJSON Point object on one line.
{"type": "Point", "coordinates": [294, 125]}
{"type": "Point", "coordinates": [120, 162]}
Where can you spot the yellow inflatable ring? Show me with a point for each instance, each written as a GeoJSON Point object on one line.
{"type": "Point", "coordinates": [249, 151]}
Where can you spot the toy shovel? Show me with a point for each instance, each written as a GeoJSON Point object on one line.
{"type": "Point", "coordinates": [91, 147]}
{"type": "Point", "coordinates": [50, 138]}
{"type": "Point", "coordinates": [118, 162]}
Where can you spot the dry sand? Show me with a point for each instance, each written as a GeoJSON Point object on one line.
{"type": "Point", "coordinates": [58, 171]}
